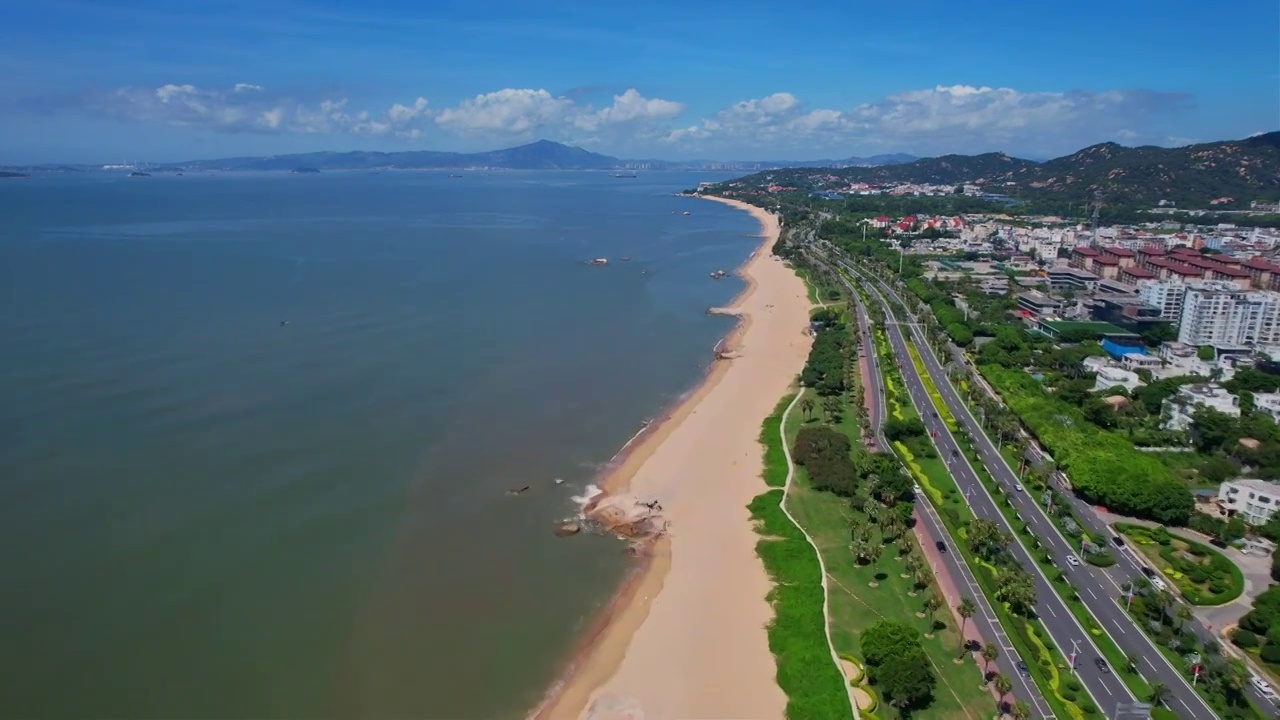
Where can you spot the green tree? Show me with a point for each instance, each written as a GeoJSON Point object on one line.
{"type": "Point", "coordinates": [806, 406]}
{"type": "Point", "coordinates": [989, 654]}
{"type": "Point", "coordinates": [932, 603]}
{"type": "Point", "coordinates": [886, 639]}
{"type": "Point", "coordinates": [1020, 710]}
{"type": "Point", "coordinates": [907, 680]}
{"type": "Point", "coordinates": [1159, 693]}
{"type": "Point", "coordinates": [1003, 687]}
{"type": "Point", "coordinates": [966, 610]}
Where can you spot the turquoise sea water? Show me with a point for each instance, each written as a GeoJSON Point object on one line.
{"type": "Point", "coordinates": [206, 513]}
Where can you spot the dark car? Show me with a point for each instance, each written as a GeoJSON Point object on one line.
{"type": "Point", "coordinates": [942, 547]}
{"type": "Point", "coordinates": [1102, 665]}
{"type": "Point", "coordinates": [1119, 541]}
{"type": "Point", "coordinates": [1022, 668]}
{"type": "Point", "coordinates": [1148, 571]}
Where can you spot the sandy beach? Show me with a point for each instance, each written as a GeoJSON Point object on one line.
{"type": "Point", "coordinates": [685, 637]}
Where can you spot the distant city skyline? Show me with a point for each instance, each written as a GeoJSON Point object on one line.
{"type": "Point", "coordinates": [104, 82]}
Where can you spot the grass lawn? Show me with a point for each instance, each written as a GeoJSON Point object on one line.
{"type": "Point", "coordinates": [855, 606]}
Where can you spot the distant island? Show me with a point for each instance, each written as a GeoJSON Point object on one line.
{"type": "Point", "coordinates": [135, 173]}
{"type": "Point", "coordinates": [540, 155]}
{"type": "Point", "coordinates": [305, 170]}
{"type": "Point", "coordinates": [8, 174]}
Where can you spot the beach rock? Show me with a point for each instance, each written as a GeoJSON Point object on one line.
{"type": "Point", "coordinates": [567, 529]}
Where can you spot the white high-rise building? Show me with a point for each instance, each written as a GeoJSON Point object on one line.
{"type": "Point", "coordinates": [1220, 314]}
{"type": "Point", "coordinates": [1164, 294]}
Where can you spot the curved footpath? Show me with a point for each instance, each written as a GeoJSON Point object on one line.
{"type": "Point", "coordinates": [822, 565]}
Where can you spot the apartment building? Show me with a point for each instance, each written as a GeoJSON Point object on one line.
{"type": "Point", "coordinates": [1220, 314]}
{"type": "Point", "coordinates": [1164, 294]}
{"type": "Point", "coordinates": [1249, 499]}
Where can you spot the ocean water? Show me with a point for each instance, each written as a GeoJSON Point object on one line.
{"type": "Point", "coordinates": [257, 430]}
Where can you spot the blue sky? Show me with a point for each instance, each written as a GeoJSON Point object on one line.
{"type": "Point", "coordinates": [104, 81]}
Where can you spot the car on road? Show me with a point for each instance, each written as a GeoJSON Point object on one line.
{"type": "Point", "coordinates": [1073, 561]}
{"type": "Point", "coordinates": [1119, 541]}
{"type": "Point", "coordinates": [1018, 487]}
{"type": "Point", "coordinates": [1158, 584]}
{"type": "Point", "coordinates": [1102, 665]}
{"type": "Point", "coordinates": [1022, 668]}
{"type": "Point", "coordinates": [1263, 687]}
{"type": "Point", "coordinates": [942, 547]}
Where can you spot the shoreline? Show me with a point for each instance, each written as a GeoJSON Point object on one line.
{"type": "Point", "coordinates": [603, 646]}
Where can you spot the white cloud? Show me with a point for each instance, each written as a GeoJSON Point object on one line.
{"type": "Point", "coordinates": [525, 112]}
{"type": "Point", "coordinates": [957, 118]}
{"type": "Point", "coordinates": [942, 119]}
{"type": "Point", "coordinates": [251, 108]}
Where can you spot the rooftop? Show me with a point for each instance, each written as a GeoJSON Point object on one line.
{"type": "Point", "coordinates": [1257, 485]}
{"type": "Point", "coordinates": [1120, 252]}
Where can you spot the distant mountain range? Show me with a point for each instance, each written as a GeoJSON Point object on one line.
{"type": "Point", "coordinates": [540, 155]}
{"type": "Point", "coordinates": [1189, 176]}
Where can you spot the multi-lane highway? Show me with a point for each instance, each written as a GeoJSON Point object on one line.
{"type": "Point", "coordinates": [1097, 589]}
{"type": "Point", "coordinates": [1064, 630]}
{"type": "Point", "coordinates": [1129, 565]}
{"type": "Point", "coordinates": [985, 619]}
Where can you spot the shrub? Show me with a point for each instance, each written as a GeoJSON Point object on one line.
{"type": "Point", "coordinates": [1245, 639]}
{"type": "Point", "coordinates": [1270, 653]}
{"type": "Point", "coordinates": [1100, 559]}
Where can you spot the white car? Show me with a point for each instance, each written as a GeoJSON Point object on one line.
{"type": "Point", "coordinates": [1073, 561]}
{"type": "Point", "coordinates": [1263, 687]}
{"type": "Point", "coordinates": [1158, 584]}
{"type": "Point", "coordinates": [1018, 488]}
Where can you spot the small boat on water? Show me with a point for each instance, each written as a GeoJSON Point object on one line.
{"type": "Point", "coordinates": [686, 212]}
{"type": "Point", "coordinates": [598, 262]}
{"type": "Point", "coordinates": [624, 258]}
{"type": "Point", "coordinates": [718, 274]}
{"type": "Point", "coordinates": [455, 176]}
{"type": "Point", "coordinates": [624, 174]}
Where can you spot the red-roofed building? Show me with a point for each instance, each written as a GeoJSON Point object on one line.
{"type": "Point", "coordinates": [1239, 276]}
{"type": "Point", "coordinates": [1105, 266]}
{"type": "Point", "coordinates": [881, 221]}
{"type": "Point", "coordinates": [1185, 272]}
{"type": "Point", "coordinates": [1126, 258]}
{"type": "Point", "coordinates": [1082, 256]}
{"type": "Point", "coordinates": [1134, 274]}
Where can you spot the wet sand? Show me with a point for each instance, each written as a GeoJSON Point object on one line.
{"type": "Point", "coordinates": [685, 636]}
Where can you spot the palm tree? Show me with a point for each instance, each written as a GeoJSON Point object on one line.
{"type": "Point", "coordinates": [831, 405]}
{"type": "Point", "coordinates": [989, 654]}
{"type": "Point", "coordinates": [1159, 693]}
{"type": "Point", "coordinates": [966, 609]}
{"type": "Point", "coordinates": [1020, 710]}
{"type": "Point", "coordinates": [932, 603]}
{"type": "Point", "coordinates": [806, 406]}
{"type": "Point", "coordinates": [1003, 686]}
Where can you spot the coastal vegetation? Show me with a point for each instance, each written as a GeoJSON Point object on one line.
{"type": "Point", "coordinates": [797, 636]}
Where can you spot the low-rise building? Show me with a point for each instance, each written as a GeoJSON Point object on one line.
{"type": "Point", "coordinates": [1037, 304]}
{"type": "Point", "coordinates": [1268, 403]}
{"type": "Point", "coordinates": [1190, 398]}
{"type": "Point", "coordinates": [1109, 377]}
{"type": "Point", "coordinates": [1140, 361]}
{"type": "Point", "coordinates": [1071, 278]}
{"type": "Point", "coordinates": [1249, 499]}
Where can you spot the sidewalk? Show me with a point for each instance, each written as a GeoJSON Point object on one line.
{"type": "Point", "coordinates": [950, 593]}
